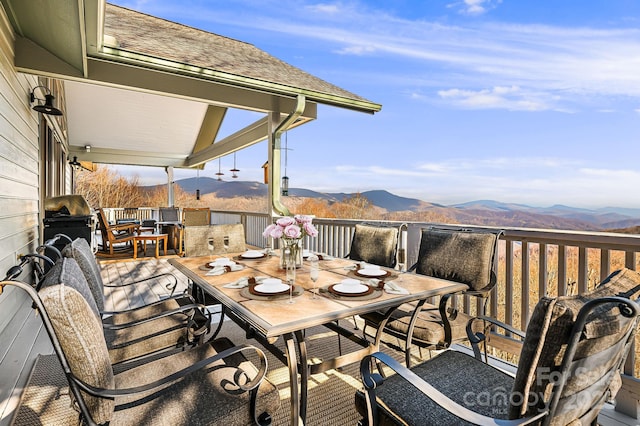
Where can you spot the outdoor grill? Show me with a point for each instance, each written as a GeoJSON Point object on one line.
{"type": "Point", "coordinates": [69, 215]}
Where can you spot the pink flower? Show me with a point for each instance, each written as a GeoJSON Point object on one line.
{"type": "Point", "coordinates": [285, 221]}
{"type": "Point", "coordinates": [269, 230]}
{"type": "Point", "coordinates": [276, 232]}
{"type": "Point", "coordinates": [292, 231]}
{"type": "Point", "coordinates": [302, 219]}
{"type": "Point", "coordinates": [310, 229]}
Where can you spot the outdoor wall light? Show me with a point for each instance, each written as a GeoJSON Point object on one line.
{"type": "Point", "coordinates": [46, 107]}
{"type": "Point", "coordinates": [75, 162]}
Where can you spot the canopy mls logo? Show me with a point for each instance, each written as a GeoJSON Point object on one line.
{"type": "Point", "coordinates": [500, 399]}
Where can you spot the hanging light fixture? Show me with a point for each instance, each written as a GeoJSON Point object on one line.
{"type": "Point", "coordinates": [198, 184]}
{"type": "Point", "coordinates": [46, 107]}
{"type": "Point", "coordinates": [219, 174]}
{"type": "Point", "coordinates": [234, 171]}
{"type": "Point", "coordinates": [285, 178]}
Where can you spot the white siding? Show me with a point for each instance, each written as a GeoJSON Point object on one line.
{"type": "Point", "coordinates": [21, 333]}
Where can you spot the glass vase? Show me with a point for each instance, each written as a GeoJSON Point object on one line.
{"type": "Point", "coordinates": [290, 248]}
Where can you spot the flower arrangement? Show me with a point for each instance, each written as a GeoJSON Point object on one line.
{"type": "Point", "coordinates": [291, 230]}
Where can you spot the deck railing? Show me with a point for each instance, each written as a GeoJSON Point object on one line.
{"type": "Point", "coordinates": [532, 263]}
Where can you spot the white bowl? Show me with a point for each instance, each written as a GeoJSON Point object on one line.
{"type": "Point", "coordinates": [222, 261]}
{"type": "Point", "coordinates": [350, 282]}
{"type": "Point", "coordinates": [252, 254]}
{"type": "Point", "coordinates": [271, 285]}
{"type": "Point", "coordinates": [372, 272]}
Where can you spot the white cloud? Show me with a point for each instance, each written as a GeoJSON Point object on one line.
{"type": "Point", "coordinates": [511, 98]}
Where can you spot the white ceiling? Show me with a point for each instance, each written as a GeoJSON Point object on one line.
{"type": "Point", "coordinates": [120, 119]}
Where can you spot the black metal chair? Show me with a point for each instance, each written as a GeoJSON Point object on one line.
{"type": "Point", "coordinates": [209, 384]}
{"type": "Point", "coordinates": [375, 244]}
{"type": "Point", "coordinates": [570, 364]}
{"type": "Point", "coordinates": [465, 256]}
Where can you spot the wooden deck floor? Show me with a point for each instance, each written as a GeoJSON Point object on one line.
{"type": "Point", "coordinates": [27, 339]}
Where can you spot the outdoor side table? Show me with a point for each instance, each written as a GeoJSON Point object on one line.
{"type": "Point", "coordinates": [143, 238]}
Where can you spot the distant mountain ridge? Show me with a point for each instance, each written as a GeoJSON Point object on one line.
{"type": "Point", "coordinates": [484, 212]}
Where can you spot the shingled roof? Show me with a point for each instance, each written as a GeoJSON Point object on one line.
{"type": "Point", "coordinates": [159, 38]}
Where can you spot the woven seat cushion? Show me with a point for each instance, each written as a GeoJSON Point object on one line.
{"type": "Point", "coordinates": [79, 332]}
{"type": "Point", "coordinates": [206, 397]}
{"type": "Point", "coordinates": [374, 244]}
{"type": "Point", "coordinates": [546, 341]}
{"type": "Point", "coordinates": [80, 250]}
{"type": "Point", "coordinates": [130, 342]}
{"type": "Point", "coordinates": [464, 257]}
{"type": "Point", "coordinates": [462, 378]}
{"type": "Point", "coordinates": [428, 329]}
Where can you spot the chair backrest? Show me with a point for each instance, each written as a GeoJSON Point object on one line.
{"type": "Point", "coordinates": [104, 226]}
{"type": "Point", "coordinates": [214, 239]}
{"type": "Point", "coordinates": [80, 251]}
{"type": "Point", "coordinates": [375, 244]}
{"type": "Point", "coordinates": [67, 271]}
{"type": "Point", "coordinates": [574, 349]}
{"type": "Point", "coordinates": [192, 216]}
{"type": "Point", "coordinates": [169, 214]}
{"type": "Point", "coordinates": [81, 340]}
{"type": "Point", "coordinates": [464, 256]}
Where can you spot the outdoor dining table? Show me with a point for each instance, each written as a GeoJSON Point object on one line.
{"type": "Point", "coordinates": [268, 318]}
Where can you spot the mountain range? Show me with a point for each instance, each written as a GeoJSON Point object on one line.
{"type": "Point", "coordinates": [483, 212]}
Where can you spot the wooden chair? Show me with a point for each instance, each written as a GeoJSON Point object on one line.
{"type": "Point", "coordinates": [570, 364]}
{"type": "Point", "coordinates": [116, 239]}
{"type": "Point", "coordinates": [468, 257]}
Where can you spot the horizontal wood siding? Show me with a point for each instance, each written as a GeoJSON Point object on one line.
{"type": "Point", "coordinates": [21, 332]}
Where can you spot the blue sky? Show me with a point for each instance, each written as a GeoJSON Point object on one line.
{"type": "Point", "coordinates": [525, 101]}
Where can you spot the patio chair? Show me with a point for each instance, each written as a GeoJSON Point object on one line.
{"type": "Point", "coordinates": [375, 244]}
{"type": "Point", "coordinates": [80, 251]}
{"type": "Point", "coordinates": [209, 384]}
{"type": "Point", "coordinates": [116, 239]}
{"type": "Point", "coordinates": [214, 239]}
{"type": "Point", "coordinates": [465, 256]}
{"type": "Point", "coordinates": [196, 216]}
{"type": "Point", "coordinates": [570, 363]}
{"type": "Point", "coordinates": [132, 335]}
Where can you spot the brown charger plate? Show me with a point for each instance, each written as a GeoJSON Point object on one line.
{"type": "Point", "coordinates": [385, 275]}
{"type": "Point", "coordinates": [343, 294]}
{"type": "Point", "coordinates": [252, 290]}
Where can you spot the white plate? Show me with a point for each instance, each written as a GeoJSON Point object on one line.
{"type": "Point", "coordinates": [271, 288]}
{"type": "Point", "coordinates": [252, 254]}
{"type": "Point", "coordinates": [371, 272]}
{"type": "Point", "coordinates": [306, 253]}
{"type": "Point", "coordinates": [350, 288]}
{"type": "Point", "coordinates": [223, 261]}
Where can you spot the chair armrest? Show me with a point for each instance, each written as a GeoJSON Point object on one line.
{"type": "Point", "coordinates": [180, 296]}
{"type": "Point", "coordinates": [371, 381]}
{"type": "Point", "coordinates": [187, 310]}
{"type": "Point", "coordinates": [171, 286]}
{"type": "Point", "coordinates": [113, 393]}
{"type": "Point", "coordinates": [478, 337]}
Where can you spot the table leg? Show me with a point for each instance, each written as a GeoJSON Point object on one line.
{"type": "Point", "coordinates": [304, 375]}
{"type": "Point", "coordinates": [290, 347]}
{"type": "Point", "coordinates": [157, 247]}
{"type": "Point", "coordinates": [135, 248]}
{"type": "Point", "coordinates": [299, 394]}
